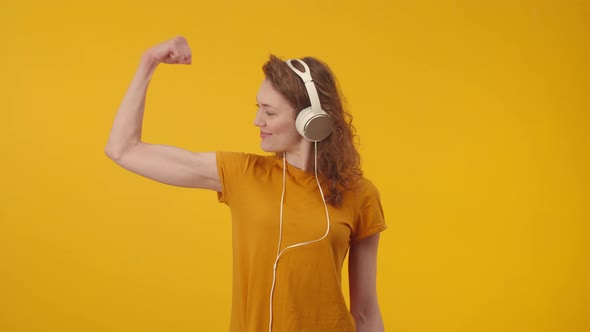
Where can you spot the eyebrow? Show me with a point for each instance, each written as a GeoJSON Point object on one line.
{"type": "Point", "coordinates": [266, 105]}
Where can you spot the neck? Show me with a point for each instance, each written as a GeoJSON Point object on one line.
{"type": "Point", "coordinates": [303, 158]}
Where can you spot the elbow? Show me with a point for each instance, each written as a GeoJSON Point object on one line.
{"type": "Point", "coordinates": [114, 152]}
{"type": "Point", "coordinates": [368, 318]}
{"type": "Point", "coordinates": [109, 152]}
{"type": "Point", "coordinates": [117, 151]}
{"type": "Point", "coordinates": [372, 323]}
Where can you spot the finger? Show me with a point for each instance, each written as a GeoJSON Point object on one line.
{"type": "Point", "coordinates": [184, 50]}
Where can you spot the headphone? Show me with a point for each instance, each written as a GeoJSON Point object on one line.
{"type": "Point", "coordinates": [313, 123]}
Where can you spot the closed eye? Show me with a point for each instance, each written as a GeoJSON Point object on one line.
{"type": "Point", "coordinates": [266, 109]}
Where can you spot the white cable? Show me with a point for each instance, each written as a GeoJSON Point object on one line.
{"type": "Point", "coordinates": [281, 252]}
{"type": "Point", "coordinates": [274, 270]}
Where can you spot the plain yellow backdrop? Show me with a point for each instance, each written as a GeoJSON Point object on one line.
{"type": "Point", "coordinates": [473, 118]}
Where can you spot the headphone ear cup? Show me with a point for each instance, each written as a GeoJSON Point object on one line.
{"type": "Point", "coordinates": [313, 126]}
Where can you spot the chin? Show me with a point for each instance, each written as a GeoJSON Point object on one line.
{"type": "Point", "coordinates": [266, 148]}
{"type": "Point", "coordinates": [271, 148]}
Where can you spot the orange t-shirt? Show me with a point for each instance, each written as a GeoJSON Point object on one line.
{"type": "Point", "coordinates": [308, 293]}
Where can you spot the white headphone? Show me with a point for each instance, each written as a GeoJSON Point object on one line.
{"type": "Point", "coordinates": [313, 123]}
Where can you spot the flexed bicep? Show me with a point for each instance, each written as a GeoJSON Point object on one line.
{"type": "Point", "coordinates": [172, 165]}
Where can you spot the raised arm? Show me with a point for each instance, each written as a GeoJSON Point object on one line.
{"type": "Point", "coordinates": [162, 163]}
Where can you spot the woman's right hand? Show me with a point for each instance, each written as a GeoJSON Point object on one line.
{"type": "Point", "coordinates": [173, 51]}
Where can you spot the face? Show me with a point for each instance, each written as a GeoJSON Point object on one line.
{"type": "Point", "coordinates": [276, 120]}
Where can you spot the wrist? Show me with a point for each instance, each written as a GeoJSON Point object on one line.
{"type": "Point", "coordinates": [149, 59]}
{"type": "Point", "coordinates": [148, 63]}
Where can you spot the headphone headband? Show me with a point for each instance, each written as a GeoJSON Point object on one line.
{"type": "Point", "coordinates": [309, 84]}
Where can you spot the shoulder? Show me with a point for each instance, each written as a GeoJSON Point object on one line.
{"type": "Point", "coordinates": [367, 194]}
{"type": "Point", "coordinates": [363, 192]}
{"type": "Point", "coordinates": [366, 187]}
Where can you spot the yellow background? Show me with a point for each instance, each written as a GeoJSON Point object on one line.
{"type": "Point", "coordinates": [473, 117]}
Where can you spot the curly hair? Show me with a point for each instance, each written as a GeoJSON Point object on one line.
{"type": "Point", "coordinates": [338, 158]}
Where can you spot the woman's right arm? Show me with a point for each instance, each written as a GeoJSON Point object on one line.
{"type": "Point", "coordinates": [162, 163]}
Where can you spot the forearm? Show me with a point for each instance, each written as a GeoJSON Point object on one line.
{"type": "Point", "coordinates": [370, 322]}
{"type": "Point", "coordinates": [126, 129]}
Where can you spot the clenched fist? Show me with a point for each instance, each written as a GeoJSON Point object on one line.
{"type": "Point", "coordinates": [173, 51]}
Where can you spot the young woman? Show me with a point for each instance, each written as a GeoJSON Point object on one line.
{"type": "Point", "coordinates": [295, 213]}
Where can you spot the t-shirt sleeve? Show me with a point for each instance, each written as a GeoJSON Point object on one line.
{"type": "Point", "coordinates": [229, 168]}
{"type": "Point", "coordinates": [371, 219]}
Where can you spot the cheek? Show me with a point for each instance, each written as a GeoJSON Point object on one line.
{"type": "Point", "coordinates": [286, 128]}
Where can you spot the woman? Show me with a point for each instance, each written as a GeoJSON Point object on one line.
{"type": "Point", "coordinates": [295, 214]}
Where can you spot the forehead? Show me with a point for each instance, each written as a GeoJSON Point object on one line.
{"type": "Point", "coordinates": [268, 95]}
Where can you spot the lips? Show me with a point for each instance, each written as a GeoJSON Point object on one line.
{"type": "Point", "coordinates": [265, 135]}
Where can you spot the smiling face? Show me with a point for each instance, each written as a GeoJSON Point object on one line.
{"type": "Point", "coordinates": [276, 119]}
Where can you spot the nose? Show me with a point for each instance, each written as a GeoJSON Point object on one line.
{"type": "Point", "coordinates": [258, 121]}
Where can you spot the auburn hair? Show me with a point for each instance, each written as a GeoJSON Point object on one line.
{"type": "Point", "coordinates": [338, 158]}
